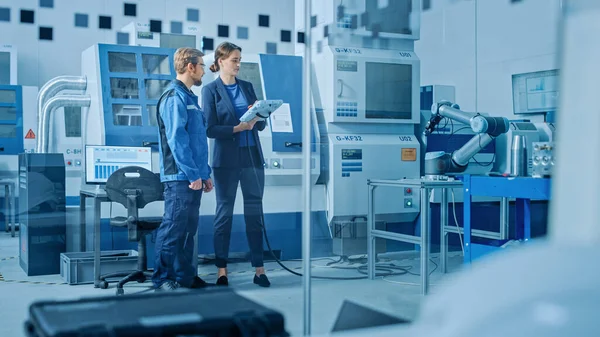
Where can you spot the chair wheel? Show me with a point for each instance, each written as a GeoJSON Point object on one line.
{"type": "Point", "coordinates": [103, 285]}
{"type": "Point", "coordinates": [120, 291]}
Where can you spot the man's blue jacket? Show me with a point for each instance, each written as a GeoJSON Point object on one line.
{"type": "Point", "coordinates": [183, 146]}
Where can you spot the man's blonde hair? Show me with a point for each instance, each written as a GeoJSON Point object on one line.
{"type": "Point", "coordinates": [185, 56]}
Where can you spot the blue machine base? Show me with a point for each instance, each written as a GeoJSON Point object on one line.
{"type": "Point", "coordinates": [478, 251]}
{"type": "Point", "coordinates": [484, 216]}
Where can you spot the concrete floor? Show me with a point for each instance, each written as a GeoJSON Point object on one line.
{"type": "Point", "coordinates": [395, 295]}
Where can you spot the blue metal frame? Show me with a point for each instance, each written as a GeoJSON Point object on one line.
{"type": "Point", "coordinates": [122, 135]}
{"type": "Point", "coordinates": [523, 189]}
{"type": "Point", "coordinates": [13, 146]}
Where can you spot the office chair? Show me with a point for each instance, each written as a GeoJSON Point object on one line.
{"type": "Point", "coordinates": [133, 187]}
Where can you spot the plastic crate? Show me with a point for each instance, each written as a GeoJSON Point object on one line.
{"type": "Point", "coordinates": [78, 267]}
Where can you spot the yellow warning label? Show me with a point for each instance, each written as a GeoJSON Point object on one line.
{"type": "Point", "coordinates": [409, 154]}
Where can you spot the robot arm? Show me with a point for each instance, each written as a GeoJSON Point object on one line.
{"type": "Point", "coordinates": [486, 129]}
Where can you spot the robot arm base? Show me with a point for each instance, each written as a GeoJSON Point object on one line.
{"type": "Point", "coordinates": [441, 163]}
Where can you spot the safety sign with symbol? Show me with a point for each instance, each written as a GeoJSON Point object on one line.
{"type": "Point", "coordinates": [30, 135]}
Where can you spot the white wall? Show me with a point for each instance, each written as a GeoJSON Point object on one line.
{"type": "Point", "coordinates": [457, 46]}
{"type": "Point", "coordinates": [41, 60]}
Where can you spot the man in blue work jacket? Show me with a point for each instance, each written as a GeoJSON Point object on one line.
{"type": "Point", "coordinates": [184, 171]}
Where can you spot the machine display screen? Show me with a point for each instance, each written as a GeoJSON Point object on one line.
{"type": "Point", "coordinates": [102, 161]}
{"type": "Point", "coordinates": [388, 91]}
{"type": "Point", "coordinates": [343, 65]}
{"type": "Point", "coordinates": [394, 18]}
{"type": "Point", "coordinates": [351, 154]}
{"type": "Point", "coordinates": [251, 72]}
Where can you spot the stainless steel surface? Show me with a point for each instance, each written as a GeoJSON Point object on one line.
{"type": "Point", "coordinates": [424, 240]}
{"type": "Point", "coordinates": [425, 185]}
{"type": "Point", "coordinates": [49, 108]}
{"type": "Point", "coordinates": [51, 88]}
{"type": "Point", "coordinates": [443, 233]}
{"type": "Point", "coordinates": [542, 159]}
{"type": "Point", "coordinates": [504, 218]}
{"type": "Point", "coordinates": [475, 232]}
{"type": "Point", "coordinates": [471, 148]}
{"type": "Point", "coordinates": [98, 196]}
{"type": "Point", "coordinates": [306, 167]}
{"type": "Point", "coordinates": [518, 156]}
{"type": "Point", "coordinates": [370, 238]}
{"type": "Point", "coordinates": [97, 247]}
{"type": "Point", "coordinates": [430, 183]}
{"type": "Point", "coordinates": [376, 233]}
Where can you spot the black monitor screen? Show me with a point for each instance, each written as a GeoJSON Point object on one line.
{"type": "Point", "coordinates": [388, 90]}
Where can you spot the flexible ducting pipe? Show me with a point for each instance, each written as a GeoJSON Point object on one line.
{"type": "Point", "coordinates": [49, 108]}
{"type": "Point", "coordinates": [50, 89]}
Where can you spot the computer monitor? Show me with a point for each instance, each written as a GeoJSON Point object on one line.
{"type": "Point", "coordinates": [102, 161]}
{"type": "Point", "coordinates": [536, 92]}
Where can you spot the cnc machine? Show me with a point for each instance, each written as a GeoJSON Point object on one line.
{"type": "Point", "coordinates": [366, 96]}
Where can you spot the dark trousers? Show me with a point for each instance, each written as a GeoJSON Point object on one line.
{"type": "Point", "coordinates": [251, 176]}
{"type": "Point", "coordinates": [175, 237]}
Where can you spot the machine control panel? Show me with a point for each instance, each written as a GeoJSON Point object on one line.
{"type": "Point", "coordinates": [374, 86]}
{"type": "Point", "coordinates": [543, 159]}
{"type": "Point", "coordinates": [355, 158]}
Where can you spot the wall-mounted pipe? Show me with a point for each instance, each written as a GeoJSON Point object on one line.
{"type": "Point", "coordinates": [48, 110]}
{"type": "Point", "coordinates": [50, 89]}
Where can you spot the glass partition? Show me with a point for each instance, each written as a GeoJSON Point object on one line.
{"type": "Point", "coordinates": [126, 88]}
{"type": "Point", "coordinates": [155, 88]}
{"type": "Point", "coordinates": [377, 232]}
{"type": "Point", "coordinates": [127, 115]}
{"type": "Point", "coordinates": [8, 114]}
{"type": "Point", "coordinates": [122, 62]}
{"type": "Point", "coordinates": [156, 64]}
{"type": "Point", "coordinates": [390, 206]}
{"type": "Point", "coordinates": [8, 131]}
{"type": "Point", "coordinates": [8, 96]}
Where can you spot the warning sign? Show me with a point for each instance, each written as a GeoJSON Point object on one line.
{"type": "Point", "coordinates": [30, 135]}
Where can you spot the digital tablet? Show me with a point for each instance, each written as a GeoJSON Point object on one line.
{"type": "Point", "coordinates": [262, 109]}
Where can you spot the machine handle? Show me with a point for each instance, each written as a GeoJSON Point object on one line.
{"type": "Point", "coordinates": [290, 144]}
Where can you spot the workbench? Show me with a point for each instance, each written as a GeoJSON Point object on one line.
{"type": "Point", "coordinates": [523, 189]}
{"type": "Point", "coordinates": [425, 186]}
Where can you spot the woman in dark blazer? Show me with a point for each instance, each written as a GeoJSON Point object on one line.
{"type": "Point", "coordinates": [236, 158]}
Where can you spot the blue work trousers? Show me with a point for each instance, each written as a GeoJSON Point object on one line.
{"type": "Point", "coordinates": [251, 177]}
{"type": "Point", "coordinates": [174, 248]}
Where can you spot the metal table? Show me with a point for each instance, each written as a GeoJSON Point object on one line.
{"type": "Point", "coordinates": [523, 189]}
{"type": "Point", "coordinates": [9, 206]}
{"type": "Point", "coordinates": [99, 196]}
{"type": "Point", "coordinates": [425, 186]}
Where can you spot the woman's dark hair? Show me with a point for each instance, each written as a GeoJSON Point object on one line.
{"type": "Point", "coordinates": [223, 51]}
